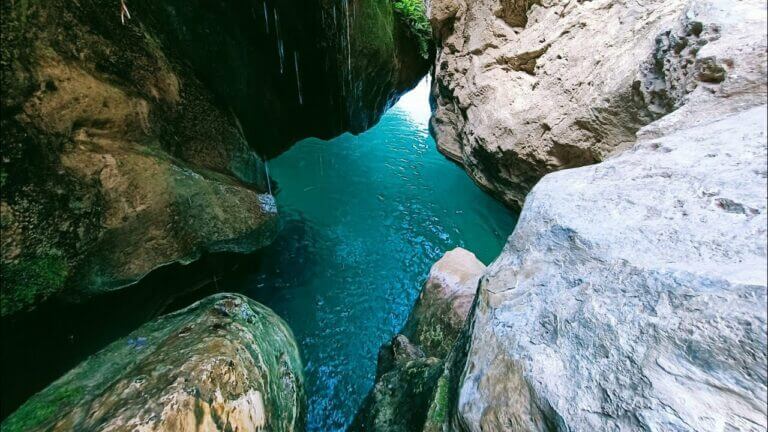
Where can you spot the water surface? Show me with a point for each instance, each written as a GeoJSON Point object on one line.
{"type": "Point", "coordinates": [364, 219]}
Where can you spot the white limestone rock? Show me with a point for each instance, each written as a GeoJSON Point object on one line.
{"type": "Point", "coordinates": [527, 87]}
{"type": "Point", "coordinates": [632, 294]}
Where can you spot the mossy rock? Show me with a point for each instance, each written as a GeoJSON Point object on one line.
{"type": "Point", "coordinates": [32, 280]}
{"type": "Point", "coordinates": [224, 363]}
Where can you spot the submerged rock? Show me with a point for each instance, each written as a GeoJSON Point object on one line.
{"type": "Point", "coordinates": [408, 373]}
{"type": "Point", "coordinates": [224, 363]}
{"type": "Point", "coordinates": [524, 88]}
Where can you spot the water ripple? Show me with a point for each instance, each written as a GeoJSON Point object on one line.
{"type": "Point", "coordinates": [364, 219]}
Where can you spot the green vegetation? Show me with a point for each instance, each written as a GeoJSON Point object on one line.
{"type": "Point", "coordinates": [30, 281]}
{"type": "Point", "coordinates": [413, 14]}
{"type": "Point", "coordinates": [439, 407]}
{"type": "Point", "coordinates": [42, 409]}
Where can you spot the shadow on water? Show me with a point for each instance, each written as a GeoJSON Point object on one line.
{"type": "Point", "coordinates": [363, 219]}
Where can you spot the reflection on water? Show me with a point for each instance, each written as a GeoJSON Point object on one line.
{"type": "Point", "coordinates": [364, 219]}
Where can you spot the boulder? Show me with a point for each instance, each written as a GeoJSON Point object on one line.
{"type": "Point", "coordinates": [444, 302]}
{"type": "Point", "coordinates": [523, 88]}
{"type": "Point", "coordinates": [222, 364]}
{"type": "Point", "coordinates": [632, 294]}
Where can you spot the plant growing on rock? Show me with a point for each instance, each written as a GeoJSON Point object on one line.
{"type": "Point", "coordinates": [415, 16]}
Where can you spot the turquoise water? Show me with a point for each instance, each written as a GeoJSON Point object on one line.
{"type": "Point", "coordinates": [364, 219]}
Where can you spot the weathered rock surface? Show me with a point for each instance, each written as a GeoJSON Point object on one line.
{"type": "Point", "coordinates": [409, 394]}
{"type": "Point", "coordinates": [131, 147]}
{"type": "Point", "coordinates": [632, 293]}
{"type": "Point", "coordinates": [444, 302]}
{"type": "Point", "coordinates": [116, 159]}
{"type": "Point", "coordinates": [527, 87]}
{"type": "Point", "coordinates": [225, 363]}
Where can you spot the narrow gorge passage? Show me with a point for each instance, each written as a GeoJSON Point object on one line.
{"type": "Point", "coordinates": [364, 219]}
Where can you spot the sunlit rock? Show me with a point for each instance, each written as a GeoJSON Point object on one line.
{"type": "Point", "coordinates": [632, 293]}
{"type": "Point", "coordinates": [524, 88]}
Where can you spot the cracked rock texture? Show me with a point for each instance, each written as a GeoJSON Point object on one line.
{"type": "Point", "coordinates": [523, 88]}
{"type": "Point", "coordinates": [225, 363]}
{"type": "Point", "coordinates": [632, 294]}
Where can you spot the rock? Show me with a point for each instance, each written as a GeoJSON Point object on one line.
{"type": "Point", "coordinates": [523, 88]}
{"type": "Point", "coordinates": [409, 369]}
{"type": "Point", "coordinates": [116, 159]}
{"type": "Point", "coordinates": [403, 389]}
{"type": "Point", "coordinates": [130, 147]}
{"type": "Point", "coordinates": [224, 363]}
{"type": "Point", "coordinates": [386, 54]}
{"type": "Point", "coordinates": [444, 302]}
{"type": "Point", "coordinates": [632, 294]}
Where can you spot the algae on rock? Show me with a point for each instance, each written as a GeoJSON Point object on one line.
{"type": "Point", "coordinates": [224, 363]}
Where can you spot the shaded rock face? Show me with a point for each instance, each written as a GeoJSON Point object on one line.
{"type": "Point", "coordinates": [373, 56]}
{"type": "Point", "coordinates": [289, 70]}
{"type": "Point", "coordinates": [224, 363]}
{"type": "Point", "coordinates": [411, 388]}
{"type": "Point", "coordinates": [131, 147]}
{"type": "Point", "coordinates": [523, 88]}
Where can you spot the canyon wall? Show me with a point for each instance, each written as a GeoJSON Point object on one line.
{"type": "Point", "coordinates": [131, 143]}
{"type": "Point", "coordinates": [631, 295]}
{"type": "Point", "coordinates": [523, 88]}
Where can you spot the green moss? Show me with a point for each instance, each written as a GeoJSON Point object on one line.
{"type": "Point", "coordinates": [439, 407]}
{"type": "Point", "coordinates": [30, 281]}
{"type": "Point", "coordinates": [22, 9]}
{"type": "Point", "coordinates": [412, 12]}
{"type": "Point", "coordinates": [42, 409]}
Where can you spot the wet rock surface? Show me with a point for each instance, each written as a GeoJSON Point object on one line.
{"type": "Point", "coordinates": [524, 88]}
{"type": "Point", "coordinates": [224, 363]}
